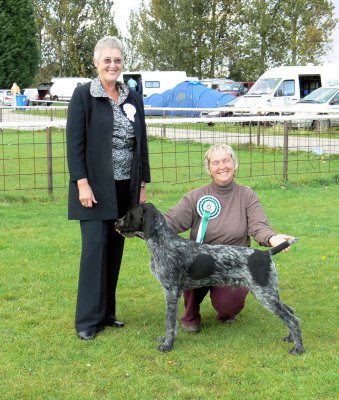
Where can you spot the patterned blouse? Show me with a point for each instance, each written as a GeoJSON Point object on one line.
{"type": "Point", "coordinates": [123, 136]}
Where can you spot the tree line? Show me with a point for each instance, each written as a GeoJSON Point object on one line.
{"type": "Point", "coordinates": [239, 39]}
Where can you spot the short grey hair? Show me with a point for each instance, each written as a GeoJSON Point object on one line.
{"type": "Point", "coordinates": [108, 42]}
{"type": "Point", "coordinates": [220, 148]}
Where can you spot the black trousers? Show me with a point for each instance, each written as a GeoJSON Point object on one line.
{"type": "Point", "coordinates": [101, 255]}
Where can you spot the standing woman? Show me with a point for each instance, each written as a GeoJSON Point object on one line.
{"type": "Point", "coordinates": [109, 168]}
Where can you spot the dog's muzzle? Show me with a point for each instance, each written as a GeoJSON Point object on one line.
{"type": "Point", "coordinates": [121, 229]}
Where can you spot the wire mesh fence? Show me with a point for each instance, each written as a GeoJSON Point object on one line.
{"type": "Point", "coordinates": [33, 148]}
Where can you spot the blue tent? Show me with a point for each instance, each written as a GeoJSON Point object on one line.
{"type": "Point", "coordinates": [188, 94]}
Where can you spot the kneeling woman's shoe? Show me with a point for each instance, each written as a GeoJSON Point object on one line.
{"type": "Point", "coordinates": [112, 321]}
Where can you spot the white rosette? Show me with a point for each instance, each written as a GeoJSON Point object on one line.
{"type": "Point", "coordinates": [130, 111]}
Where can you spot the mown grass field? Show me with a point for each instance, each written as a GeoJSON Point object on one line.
{"type": "Point", "coordinates": [41, 357]}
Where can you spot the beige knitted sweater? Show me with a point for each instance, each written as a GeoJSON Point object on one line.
{"type": "Point", "coordinates": [241, 216]}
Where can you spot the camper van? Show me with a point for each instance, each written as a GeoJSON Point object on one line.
{"type": "Point", "coordinates": [150, 82]}
{"type": "Point", "coordinates": [63, 88]}
{"type": "Point", "coordinates": [284, 86]}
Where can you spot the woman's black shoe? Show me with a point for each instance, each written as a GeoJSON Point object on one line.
{"type": "Point", "coordinates": [112, 321]}
{"type": "Point", "coordinates": [90, 334]}
{"type": "Point", "coordinates": [87, 335]}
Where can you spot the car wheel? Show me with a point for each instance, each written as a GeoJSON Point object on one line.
{"type": "Point", "coordinates": [322, 125]}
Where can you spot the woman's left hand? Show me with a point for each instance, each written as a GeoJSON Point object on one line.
{"type": "Point", "coordinates": [280, 238]}
{"type": "Point", "coordinates": [143, 194]}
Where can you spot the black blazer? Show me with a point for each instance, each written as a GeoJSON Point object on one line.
{"type": "Point", "coordinates": [89, 153]}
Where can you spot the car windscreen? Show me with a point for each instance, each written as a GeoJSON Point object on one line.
{"type": "Point", "coordinates": [230, 86]}
{"type": "Point", "coordinates": [264, 86]}
{"type": "Point", "coordinates": [320, 96]}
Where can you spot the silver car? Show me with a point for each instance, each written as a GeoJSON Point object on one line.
{"type": "Point", "coordinates": [322, 101]}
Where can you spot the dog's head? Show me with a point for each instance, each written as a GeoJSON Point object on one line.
{"type": "Point", "coordinates": [139, 221]}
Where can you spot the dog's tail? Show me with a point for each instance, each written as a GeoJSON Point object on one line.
{"type": "Point", "coordinates": [282, 246]}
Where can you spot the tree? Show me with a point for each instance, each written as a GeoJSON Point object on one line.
{"type": "Point", "coordinates": [190, 35]}
{"type": "Point", "coordinates": [69, 30]}
{"type": "Point", "coordinates": [133, 60]}
{"type": "Point", "coordinates": [241, 38]}
{"type": "Point", "coordinates": [18, 43]}
{"type": "Point", "coordinates": [308, 26]}
{"type": "Point", "coordinates": [280, 32]}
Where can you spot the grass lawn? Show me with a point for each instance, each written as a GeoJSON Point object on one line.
{"type": "Point", "coordinates": [41, 357]}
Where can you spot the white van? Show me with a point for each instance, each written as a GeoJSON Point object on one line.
{"type": "Point", "coordinates": [63, 88]}
{"type": "Point", "coordinates": [284, 86]}
{"type": "Point", "coordinates": [150, 82]}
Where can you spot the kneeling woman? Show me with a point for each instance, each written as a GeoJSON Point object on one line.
{"type": "Point", "coordinates": [234, 215]}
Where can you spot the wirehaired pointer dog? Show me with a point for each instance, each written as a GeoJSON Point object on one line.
{"type": "Point", "coordinates": [181, 264]}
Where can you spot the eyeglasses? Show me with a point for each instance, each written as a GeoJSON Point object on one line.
{"type": "Point", "coordinates": [108, 61]}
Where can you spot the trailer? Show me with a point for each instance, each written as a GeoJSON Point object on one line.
{"type": "Point", "coordinates": [151, 82]}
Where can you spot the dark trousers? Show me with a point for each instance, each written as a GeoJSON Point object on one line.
{"type": "Point", "coordinates": [228, 301]}
{"type": "Point", "coordinates": [101, 255]}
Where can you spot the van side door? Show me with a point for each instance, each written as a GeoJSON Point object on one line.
{"type": "Point", "coordinates": [285, 94]}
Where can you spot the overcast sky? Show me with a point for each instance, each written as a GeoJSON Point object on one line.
{"type": "Point", "coordinates": [122, 9]}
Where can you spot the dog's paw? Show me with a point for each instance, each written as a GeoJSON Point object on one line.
{"type": "Point", "coordinates": [297, 350]}
{"type": "Point", "coordinates": [165, 348]}
{"type": "Point", "coordinates": [288, 338]}
{"type": "Point", "coordinates": [161, 339]}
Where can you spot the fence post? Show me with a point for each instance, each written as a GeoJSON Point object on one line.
{"type": "Point", "coordinates": [163, 127]}
{"type": "Point", "coordinates": [251, 150]}
{"type": "Point", "coordinates": [49, 160]}
{"type": "Point", "coordinates": [286, 131]}
{"type": "Point", "coordinates": [258, 133]}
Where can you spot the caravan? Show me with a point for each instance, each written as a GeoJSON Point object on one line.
{"type": "Point", "coordinates": [150, 82]}
{"type": "Point", "coordinates": [284, 86]}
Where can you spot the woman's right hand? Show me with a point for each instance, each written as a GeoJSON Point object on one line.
{"type": "Point", "coordinates": [86, 195]}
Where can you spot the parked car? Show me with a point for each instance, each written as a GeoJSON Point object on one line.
{"type": "Point", "coordinates": [44, 94]}
{"type": "Point", "coordinates": [225, 111]}
{"type": "Point", "coordinates": [215, 83]}
{"type": "Point", "coordinates": [5, 97]}
{"type": "Point", "coordinates": [322, 101]}
{"type": "Point", "coordinates": [32, 95]}
{"type": "Point", "coordinates": [283, 86]}
{"type": "Point", "coordinates": [236, 88]}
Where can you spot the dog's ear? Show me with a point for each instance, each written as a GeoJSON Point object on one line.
{"type": "Point", "coordinates": [148, 220]}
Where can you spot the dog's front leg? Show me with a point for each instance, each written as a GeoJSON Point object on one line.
{"type": "Point", "coordinates": [172, 304]}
